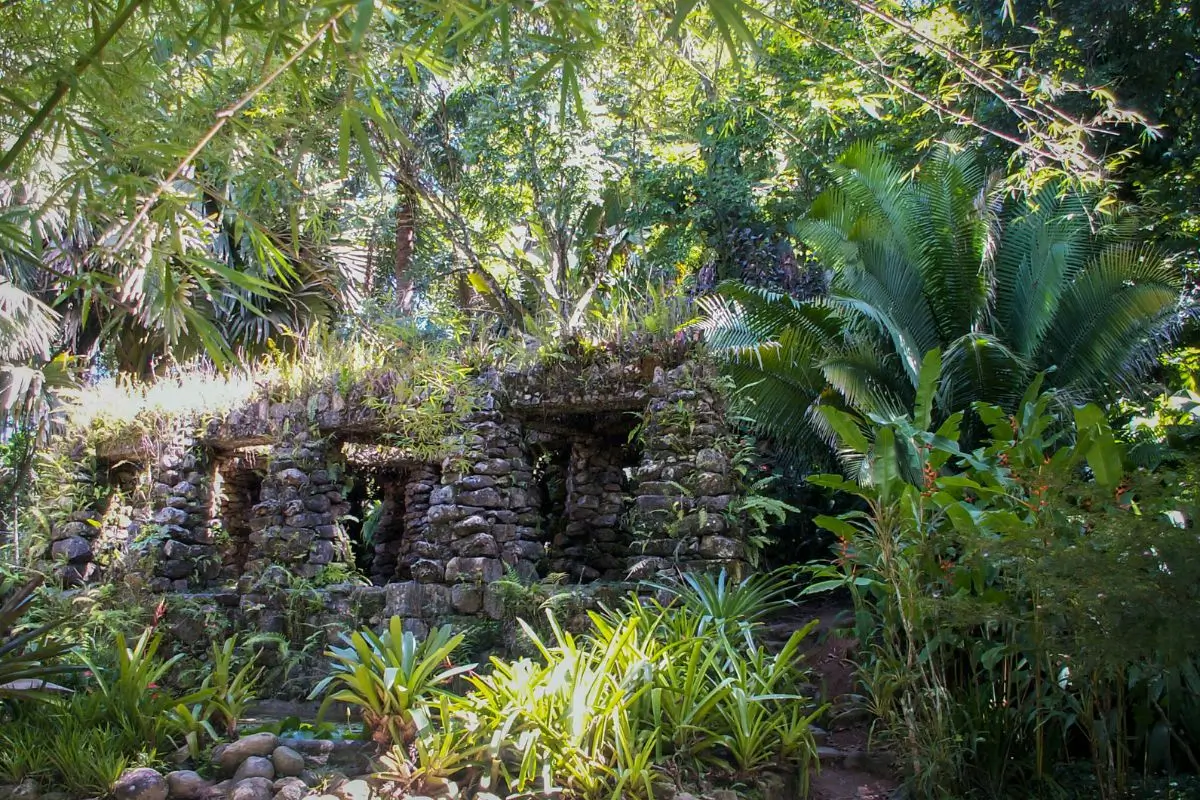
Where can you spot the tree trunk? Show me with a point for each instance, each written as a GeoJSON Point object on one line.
{"type": "Point", "coordinates": [406, 230]}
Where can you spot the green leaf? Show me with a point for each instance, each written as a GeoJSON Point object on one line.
{"type": "Point", "coordinates": [1103, 453]}
{"type": "Point", "coordinates": [846, 428]}
{"type": "Point", "coordinates": [931, 370]}
{"type": "Point", "coordinates": [362, 21]}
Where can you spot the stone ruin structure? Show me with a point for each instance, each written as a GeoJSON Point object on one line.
{"type": "Point", "coordinates": [611, 473]}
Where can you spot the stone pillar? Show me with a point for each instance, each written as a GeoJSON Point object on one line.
{"type": "Point", "coordinates": [71, 549]}
{"type": "Point", "coordinates": [179, 497]}
{"type": "Point", "coordinates": [389, 542]}
{"type": "Point", "coordinates": [295, 525]}
{"type": "Point", "coordinates": [685, 479]}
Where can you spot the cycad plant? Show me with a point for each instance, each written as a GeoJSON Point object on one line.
{"type": "Point", "coordinates": [935, 259]}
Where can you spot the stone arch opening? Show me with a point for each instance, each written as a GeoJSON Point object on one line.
{"type": "Point", "coordinates": [237, 484]}
{"type": "Point", "coordinates": [584, 475]}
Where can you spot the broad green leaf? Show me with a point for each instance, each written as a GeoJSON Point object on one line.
{"type": "Point", "coordinates": [931, 370]}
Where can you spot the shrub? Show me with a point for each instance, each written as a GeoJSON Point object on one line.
{"type": "Point", "coordinates": [27, 661]}
{"type": "Point", "coordinates": [649, 690]}
{"type": "Point", "coordinates": [1022, 603]}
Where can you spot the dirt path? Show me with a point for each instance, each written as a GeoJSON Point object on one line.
{"type": "Point", "coordinates": [851, 769]}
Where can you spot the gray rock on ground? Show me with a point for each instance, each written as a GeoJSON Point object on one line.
{"type": "Point", "coordinates": [290, 789]}
{"type": "Point", "coordinates": [142, 783]}
{"type": "Point", "coordinates": [27, 789]}
{"type": "Point", "coordinates": [186, 784]}
{"type": "Point", "coordinates": [219, 791]}
{"type": "Point", "coordinates": [230, 756]}
{"type": "Point", "coordinates": [252, 789]}
{"type": "Point", "coordinates": [288, 763]}
{"type": "Point", "coordinates": [254, 767]}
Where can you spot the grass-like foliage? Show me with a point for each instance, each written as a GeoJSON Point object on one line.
{"type": "Point", "coordinates": [118, 716]}
{"type": "Point", "coordinates": [652, 693]}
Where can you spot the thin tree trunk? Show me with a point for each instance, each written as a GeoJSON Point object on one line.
{"type": "Point", "coordinates": [406, 230]}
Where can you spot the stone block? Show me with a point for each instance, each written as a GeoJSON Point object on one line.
{"type": "Point", "coordinates": [486, 570]}
{"type": "Point", "coordinates": [523, 551]}
{"type": "Point", "coordinates": [292, 477]}
{"type": "Point", "coordinates": [403, 599]}
{"type": "Point", "coordinates": [721, 547]}
{"type": "Point", "coordinates": [442, 495]}
{"type": "Point", "coordinates": [478, 544]}
{"type": "Point", "coordinates": [483, 498]}
{"type": "Point", "coordinates": [426, 570]}
{"type": "Point", "coordinates": [319, 503]}
{"type": "Point", "coordinates": [474, 482]}
{"type": "Point", "coordinates": [493, 466]}
{"type": "Point", "coordinates": [467, 599]}
{"type": "Point", "coordinates": [711, 460]}
{"type": "Point", "coordinates": [321, 552]}
{"type": "Point", "coordinates": [170, 516]}
{"type": "Point", "coordinates": [472, 524]}
{"type": "Point", "coordinates": [73, 550]}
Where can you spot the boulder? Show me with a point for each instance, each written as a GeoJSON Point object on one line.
{"type": "Point", "coordinates": [290, 789]}
{"type": "Point", "coordinates": [254, 767]}
{"type": "Point", "coordinates": [73, 549]}
{"type": "Point", "coordinates": [230, 756]}
{"type": "Point", "coordinates": [252, 789]}
{"type": "Point", "coordinates": [186, 784]}
{"type": "Point", "coordinates": [219, 791]}
{"type": "Point", "coordinates": [288, 763]}
{"type": "Point", "coordinates": [142, 783]}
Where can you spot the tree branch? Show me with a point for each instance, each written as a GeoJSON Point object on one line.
{"type": "Point", "coordinates": [222, 118]}
{"type": "Point", "coordinates": [63, 87]}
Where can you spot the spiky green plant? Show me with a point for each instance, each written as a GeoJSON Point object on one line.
{"type": "Point", "coordinates": [27, 661]}
{"type": "Point", "coordinates": [937, 260]}
{"type": "Point", "coordinates": [386, 676]}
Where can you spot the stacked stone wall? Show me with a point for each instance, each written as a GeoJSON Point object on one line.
{"type": "Point", "coordinates": [296, 522]}
{"type": "Point", "coordinates": [451, 529]}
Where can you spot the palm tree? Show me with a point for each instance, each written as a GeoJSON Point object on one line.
{"type": "Point", "coordinates": [933, 260]}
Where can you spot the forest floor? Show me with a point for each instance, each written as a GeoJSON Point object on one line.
{"type": "Point", "coordinates": [852, 768]}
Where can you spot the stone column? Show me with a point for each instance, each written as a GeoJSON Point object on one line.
{"type": "Point", "coordinates": [180, 501]}
{"type": "Point", "coordinates": [295, 525]}
{"type": "Point", "coordinates": [685, 479]}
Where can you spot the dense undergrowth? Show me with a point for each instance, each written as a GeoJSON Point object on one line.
{"type": "Point", "coordinates": [653, 695]}
{"type": "Point", "coordinates": [1026, 603]}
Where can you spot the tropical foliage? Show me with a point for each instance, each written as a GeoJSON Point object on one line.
{"type": "Point", "coordinates": [1020, 600]}
{"type": "Point", "coordinates": [910, 214]}
{"type": "Point", "coordinates": [647, 697]}
{"type": "Point", "coordinates": [1050, 283]}
{"type": "Point", "coordinates": [386, 676]}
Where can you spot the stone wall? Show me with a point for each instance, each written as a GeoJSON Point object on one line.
{"type": "Point", "coordinates": [296, 524]}
{"type": "Point", "coordinates": [241, 498]}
